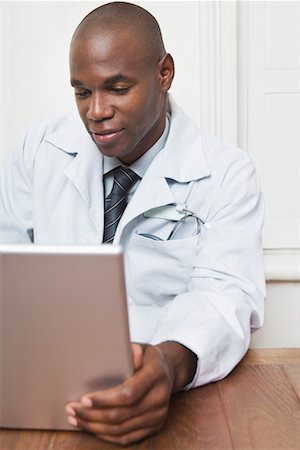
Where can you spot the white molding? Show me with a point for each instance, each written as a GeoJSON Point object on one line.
{"type": "Point", "coordinates": [243, 74]}
{"type": "Point", "coordinates": [282, 264]}
{"type": "Point", "coordinates": [267, 115]}
{"type": "Point", "coordinates": [218, 69]}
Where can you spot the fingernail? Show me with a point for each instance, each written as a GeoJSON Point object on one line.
{"type": "Point", "coordinates": [72, 421]}
{"type": "Point", "coordinates": [70, 411]}
{"type": "Point", "coordinates": [86, 401]}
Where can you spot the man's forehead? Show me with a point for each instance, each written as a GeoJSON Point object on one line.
{"type": "Point", "coordinates": [102, 44]}
{"type": "Point", "coordinates": [97, 37]}
{"type": "Point", "coordinates": [116, 52]}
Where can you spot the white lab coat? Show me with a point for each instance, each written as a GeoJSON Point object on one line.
{"type": "Point", "coordinates": [205, 291]}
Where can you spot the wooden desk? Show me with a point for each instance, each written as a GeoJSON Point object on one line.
{"type": "Point", "coordinates": [256, 407]}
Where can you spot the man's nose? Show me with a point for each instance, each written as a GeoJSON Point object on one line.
{"type": "Point", "coordinates": [100, 108]}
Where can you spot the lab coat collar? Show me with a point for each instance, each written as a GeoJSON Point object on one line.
{"type": "Point", "coordinates": [70, 135]}
{"type": "Point", "coordinates": [85, 169]}
{"type": "Point", "coordinates": [182, 159]}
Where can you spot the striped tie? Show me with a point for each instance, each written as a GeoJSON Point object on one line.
{"type": "Point", "coordinates": [116, 201]}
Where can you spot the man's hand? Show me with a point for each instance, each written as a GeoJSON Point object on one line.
{"type": "Point", "coordinates": [139, 406]}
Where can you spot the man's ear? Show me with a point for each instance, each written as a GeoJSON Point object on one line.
{"type": "Point", "coordinates": [166, 72]}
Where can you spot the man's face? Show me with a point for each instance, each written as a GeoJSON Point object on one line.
{"type": "Point", "coordinates": [120, 95]}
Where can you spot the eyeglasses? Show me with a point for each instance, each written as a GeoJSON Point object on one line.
{"type": "Point", "coordinates": [188, 217]}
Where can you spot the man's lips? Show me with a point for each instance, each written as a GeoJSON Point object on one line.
{"type": "Point", "coordinates": [106, 136]}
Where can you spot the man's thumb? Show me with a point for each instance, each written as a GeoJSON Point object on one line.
{"type": "Point", "coordinates": [137, 353]}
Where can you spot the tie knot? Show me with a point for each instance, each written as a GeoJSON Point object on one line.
{"type": "Point", "coordinates": [124, 179]}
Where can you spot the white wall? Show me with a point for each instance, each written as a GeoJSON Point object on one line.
{"type": "Point", "coordinates": [282, 312]}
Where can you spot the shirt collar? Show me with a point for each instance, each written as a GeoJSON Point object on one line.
{"type": "Point", "coordinates": [140, 165]}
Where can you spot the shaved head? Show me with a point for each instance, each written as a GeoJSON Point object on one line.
{"type": "Point", "coordinates": [124, 19]}
{"type": "Point", "coordinates": [121, 76]}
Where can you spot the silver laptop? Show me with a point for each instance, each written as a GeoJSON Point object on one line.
{"type": "Point", "coordinates": [64, 330]}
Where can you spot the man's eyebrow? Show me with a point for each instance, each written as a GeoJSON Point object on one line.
{"type": "Point", "coordinates": [108, 82]}
{"type": "Point", "coordinates": [76, 83]}
{"type": "Point", "coordinates": [116, 79]}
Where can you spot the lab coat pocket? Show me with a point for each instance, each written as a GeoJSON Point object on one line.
{"type": "Point", "coordinates": [157, 271]}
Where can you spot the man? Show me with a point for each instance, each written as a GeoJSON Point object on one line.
{"type": "Point", "coordinates": [191, 231]}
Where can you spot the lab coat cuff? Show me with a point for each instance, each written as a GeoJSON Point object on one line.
{"type": "Point", "coordinates": [214, 362]}
{"type": "Point", "coordinates": [181, 338]}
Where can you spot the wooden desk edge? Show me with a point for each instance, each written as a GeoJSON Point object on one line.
{"type": "Point", "coordinates": [259, 356]}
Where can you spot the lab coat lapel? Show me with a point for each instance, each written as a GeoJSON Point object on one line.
{"type": "Point", "coordinates": [86, 169]}
{"type": "Point", "coordinates": [181, 160]}
{"type": "Point", "coordinates": [152, 192]}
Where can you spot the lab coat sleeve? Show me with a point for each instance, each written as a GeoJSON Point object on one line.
{"type": "Point", "coordinates": [16, 195]}
{"type": "Point", "coordinates": [225, 298]}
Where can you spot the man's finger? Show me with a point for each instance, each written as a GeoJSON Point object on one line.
{"type": "Point", "coordinates": [152, 418]}
{"type": "Point", "coordinates": [153, 401]}
{"type": "Point", "coordinates": [130, 437]}
{"type": "Point", "coordinates": [137, 353]}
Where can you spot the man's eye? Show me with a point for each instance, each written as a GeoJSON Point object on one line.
{"type": "Point", "coordinates": [120, 90]}
{"type": "Point", "coordinates": [82, 94]}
